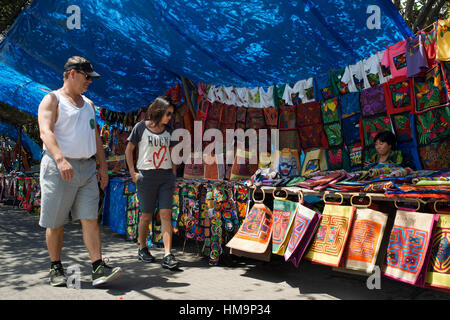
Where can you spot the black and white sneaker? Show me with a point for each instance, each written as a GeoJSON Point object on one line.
{"type": "Point", "coordinates": [104, 274]}
{"type": "Point", "coordinates": [169, 262]}
{"type": "Point", "coordinates": [145, 255]}
{"type": "Point", "coordinates": [57, 276]}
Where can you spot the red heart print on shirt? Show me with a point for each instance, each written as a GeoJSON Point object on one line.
{"type": "Point", "coordinates": [156, 157]}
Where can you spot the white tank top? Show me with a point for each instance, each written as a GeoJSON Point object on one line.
{"type": "Point", "coordinates": [75, 129]}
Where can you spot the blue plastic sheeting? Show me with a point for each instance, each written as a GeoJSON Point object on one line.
{"type": "Point", "coordinates": [115, 206]}
{"type": "Point", "coordinates": [139, 47]}
{"type": "Point", "coordinates": [28, 144]}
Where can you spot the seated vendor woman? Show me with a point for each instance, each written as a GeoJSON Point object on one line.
{"type": "Point", "coordinates": [385, 146]}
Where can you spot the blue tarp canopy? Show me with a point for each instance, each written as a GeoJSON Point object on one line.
{"type": "Point", "coordinates": [28, 144]}
{"type": "Point", "coordinates": [141, 47]}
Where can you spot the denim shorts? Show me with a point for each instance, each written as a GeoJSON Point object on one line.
{"type": "Point", "coordinates": [154, 186]}
{"type": "Point", "coordinates": [78, 197]}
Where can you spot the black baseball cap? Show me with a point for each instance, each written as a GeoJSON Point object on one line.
{"type": "Point", "coordinates": [86, 67]}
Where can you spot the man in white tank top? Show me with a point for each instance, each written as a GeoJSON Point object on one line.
{"type": "Point", "coordinates": [68, 179]}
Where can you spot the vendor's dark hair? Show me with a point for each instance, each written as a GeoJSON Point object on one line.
{"type": "Point", "coordinates": [157, 109]}
{"type": "Point", "coordinates": [388, 137]}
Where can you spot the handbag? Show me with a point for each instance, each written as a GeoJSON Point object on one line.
{"type": "Point", "coordinates": [283, 216]}
{"type": "Point", "coordinates": [287, 162]}
{"type": "Point", "coordinates": [438, 275]}
{"type": "Point", "coordinates": [255, 233]}
{"type": "Point", "coordinates": [408, 248]}
{"type": "Point", "coordinates": [304, 227]}
{"type": "Point", "coordinates": [329, 243]}
{"type": "Point", "coordinates": [315, 160]}
{"type": "Point", "coordinates": [365, 238]}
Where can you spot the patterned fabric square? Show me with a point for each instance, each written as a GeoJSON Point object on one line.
{"type": "Point", "coordinates": [330, 112]}
{"type": "Point", "coordinates": [271, 116]}
{"type": "Point", "coordinates": [333, 132]}
{"type": "Point", "coordinates": [373, 100]}
{"type": "Point", "coordinates": [289, 139]}
{"type": "Point", "coordinates": [435, 156]}
{"type": "Point", "coordinates": [402, 127]}
{"type": "Point", "coordinates": [349, 104]}
{"type": "Point", "coordinates": [399, 95]}
{"type": "Point", "coordinates": [355, 152]}
{"type": "Point", "coordinates": [430, 90]}
{"type": "Point", "coordinates": [255, 118]}
{"type": "Point", "coordinates": [286, 117]}
{"type": "Point", "coordinates": [408, 247]}
{"type": "Point", "coordinates": [331, 237]}
{"type": "Point", "coordinates": [241, 114]}
{"type": "Point", "coordinates": [308, 114]}
{"type": "Point", "coordinates": [365, 239]}
{"type": "Point", "coordinates": [305, 224]}
{"type": "Point", "coordinates": [335, 158]}
{"type": "Point", "coordinates": [228, 114]}
{"type": "Point", "coordinates": [438, 275]}
{"type": "Point", "coordinates": [433, 125]}
{"type": "Point", "coordinates": [350, 129]}
{"type": "Point", "coordinates": [214, 111]}
{"type": "Point", "coordinates": [372, 126]}
{"type": "Point", "coordinates": [312, 137]}
{"type": "Point", "coordinates": [323, 87]}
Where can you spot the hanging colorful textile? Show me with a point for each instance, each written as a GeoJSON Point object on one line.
{"type": "Point", "coordinates": [242, 168]}
{"type": "Point", "coordinates": [438, 275]}
{"type": "Point", "coordinates": [288, 139]}
{"type": "Point", "coordinates": [350, 129]}
{"type": "Point", "coordinates": [364, 240]}
{"type": "Point", "coordinates": [132, 212]}
{"type": "Point", "coordinates": [255, 118]}
{"type": "Point", "coordinates": [213, 169]}
{"type": "Point", "coordinates": [355, 154]}
{"type": "Point", "coordinates": [430, 90]}
{"type": "Point", "coordinates": [286, 117]}
{"type": "Point", "coordinates": [255, 232]}
{"type": "Point", "coordinates": [283, 216]}
{"type": "Point", "coordinates": [335, 158]}
{"type": "Point", "coordinates": [331, 237]}
{"type": "Point", "coordinates": [333, 132]}
{"type": "Point", "coordinates": [308, 114]}
{"type": "Point", "coordinates": [350, 104]}
{"type": "Point", "coordinates": [373, 100]}
{"type": "Point", "coordinates": [399, 95]}
{"type": "Point", "coordinates": [213, 116]}
{"type": "Point", "coordinates": [322, 88]}
{"type": "Point", "coordinates": [402, 127]}
{"type": "Point", "coordinates": [408, 248]}
{"type": "Point", "coordinates": [372, 126]}
{"type": "Point", "coordinates": [271, 117]}
{"type": "Point", "coordinates": [330, 112]}
{"type": "Point", "coordinates": [435, 156]}
{"type": "Point", "coordinates": [433, 125]}
{"type": "Point", "coordinates": [304, 227]}
{"type": "Point", "coordinates": [241, 117]}
{"type": "Point", "coordinates": [312, 136]}
{"type": "Point", "coordinates": [227, 118]}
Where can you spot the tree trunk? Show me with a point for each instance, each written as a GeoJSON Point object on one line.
{"type": "Point", "coordinates": [423, 14]}
{"type": "Point", "coordinates": [434, 13]}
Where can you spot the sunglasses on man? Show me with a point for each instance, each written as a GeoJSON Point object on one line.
{"type": "Point", "coordinates": [88, 77]}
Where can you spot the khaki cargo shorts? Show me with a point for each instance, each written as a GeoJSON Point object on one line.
{"type": "Point", "coordinates": [78, 197]}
